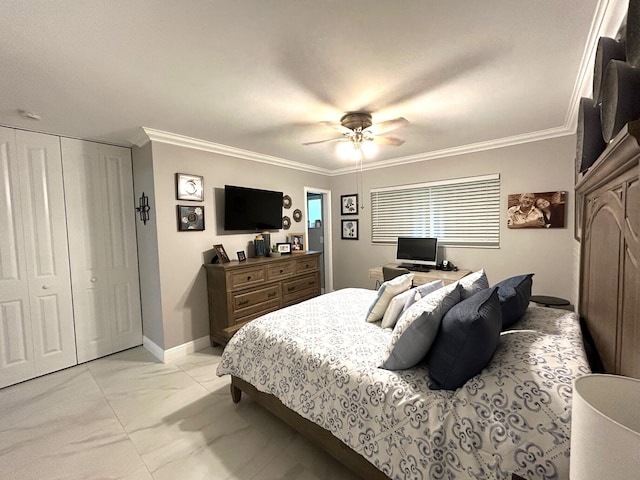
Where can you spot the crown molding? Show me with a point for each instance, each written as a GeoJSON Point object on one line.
{"type": "Point", "coordinates": [204, 145]}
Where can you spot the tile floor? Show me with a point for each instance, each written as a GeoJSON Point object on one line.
{"type": "Point", "coordinates": [127, 416]}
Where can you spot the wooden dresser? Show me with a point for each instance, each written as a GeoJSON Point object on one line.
{"type": "Point", "coordinates": [241, 291]}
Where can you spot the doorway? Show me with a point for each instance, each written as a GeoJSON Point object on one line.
{"type": "Point", "coordinates": [318, 214]}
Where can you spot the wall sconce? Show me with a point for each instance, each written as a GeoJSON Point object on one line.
{"type": "Point", "coordinates": [605, 428]}
{"type": "Point", "coordinates": [143, 208]}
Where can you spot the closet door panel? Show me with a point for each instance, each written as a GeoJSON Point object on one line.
{"type": "Point", "coordinates": [46, 251]}
{"type": "Point", "coordinates": [88, 240]}
{"type": "Point", "coordinates": [16, 349]}
{"type": "Point", "coordinates": [104, 268]}
{"type": "Point", "coordinates": [122, 255]}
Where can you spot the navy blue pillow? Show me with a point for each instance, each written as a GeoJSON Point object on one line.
{"type": "Point", "coordinates": [514, 293]}
{"type": "Point", "coordinates": [467, 340]}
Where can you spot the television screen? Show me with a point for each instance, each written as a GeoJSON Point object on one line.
{"type": "Point", "coordinates": [416, 252]}
{"type": "Point", "coordinates": [252, 209]}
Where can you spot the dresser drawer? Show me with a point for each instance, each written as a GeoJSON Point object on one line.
{"type": "Point", "coordinates": [306, 265]}
{"type": "Point", "coordinates": [280, 270]}
{"type": "Point", "coordinates": [245, 277]}
{"type": "Point", "coordinates": [307, 287]}
{"type": "Point", "coordinates": [253, 300]}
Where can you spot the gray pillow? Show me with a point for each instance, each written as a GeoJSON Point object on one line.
{"type": "Point", "coordinates": [422, 291]}
{"type": "Point", "coordinates": [514, 294]}
{"type": "Point", "coordinates": [417, 327]}
{"type": "Point", "coordinates": [474, 282]}
{"type": "Point", "coordinates": [468, 338]}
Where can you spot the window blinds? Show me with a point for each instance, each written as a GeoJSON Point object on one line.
{"type": "Point", "coordinates": [458, 212]}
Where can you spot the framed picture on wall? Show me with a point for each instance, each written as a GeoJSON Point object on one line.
{"type": "Point", "coordinates": [190, 219]}
{"type": "Point", "coordinates": [349, 204]}
{"type": "Point", "coordinates": [189, 187]}
{"type": "Point", "coordinates": [536, 210]}
{"type": "Point", "coordinates": [350, 229]}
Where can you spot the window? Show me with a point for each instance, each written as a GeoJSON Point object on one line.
{"type": "Point", "coordinates": [458, 212]}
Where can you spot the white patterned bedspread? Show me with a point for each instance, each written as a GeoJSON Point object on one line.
{"type": "Point", "coordinates": [320, 359]}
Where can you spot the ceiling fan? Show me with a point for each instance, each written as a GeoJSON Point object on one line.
{"type": "Point", "coordinates": [358, 128]}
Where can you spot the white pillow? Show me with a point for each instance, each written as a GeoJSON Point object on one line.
{"type": "Point", "coordinates": [473, 283]}
{"type": "Point", "coordinates": [387, 291]}
{"type": "Point", "coordinates": [417, 328]}
{"type": "Point", "coordinates": [395, 307]}
{"type": "Point", "coordinates": [398, 303]}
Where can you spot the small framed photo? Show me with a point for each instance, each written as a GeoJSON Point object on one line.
{"type": "Point", "coordinates": [190, 219]}
{"type": "Point", "coordinates": [284, 248]}
{"type": "Point", "coordinates": [350, 229]}
{"type": "Point", "coordinates": [189, 187]}
{"type": "Point", "coordinates": [349, 204]}
{"type": "Point", "coordinates": [297, 242]}
{"type": "Point", "coordinates": [241, 256]}
{"type": "Point", "coordinates": [222, 255]}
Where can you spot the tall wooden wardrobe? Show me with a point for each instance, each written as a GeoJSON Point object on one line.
{"type": "Point", "coordinates": [69, 288]}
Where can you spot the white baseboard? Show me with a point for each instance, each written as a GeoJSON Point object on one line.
{"type": "Point", "coordinates": [174, 353]}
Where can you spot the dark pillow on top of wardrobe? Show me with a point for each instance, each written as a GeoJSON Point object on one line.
{"type": "Point", "coordinates": [468, 338]}
{"type": "Point", "coordinates": [514, 294]}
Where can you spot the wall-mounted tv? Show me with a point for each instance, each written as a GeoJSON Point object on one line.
{"type": "Point", "coordinates": [252, 209]}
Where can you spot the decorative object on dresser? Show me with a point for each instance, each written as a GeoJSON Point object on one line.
{"type": "Point", "coordinates": [241, 256]}
{"type": "Point", "coordinates": [239, 292]}
{"type": "Point", "coordinates": [297, 242]}
{"type": "Point", "coordinates": [605, 428]}
{"type": "Point", "coordinates": [259, 246]}
{"type": "Point", "coordinates": [349, 229]}
{"type": "Point", "coordinates": [190, 219]}
{"type": "Point", "coordinates": [221, 254]}
{"type": "Point", "coordinates": [189, 187]}
{"type": "Point", "coordinates": [349, 204]}
{"type": "Point", "coordinates": [283, 248]}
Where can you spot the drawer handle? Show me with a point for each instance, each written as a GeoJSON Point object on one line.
{"type": "Point", "coordinates": [282, 270]}
{"type": "Point", "coordinates": [243, 302]}
{"type": "Point", "coordinates": [271, 295]}
{"type": "Point", "coordinates": [248, 278]}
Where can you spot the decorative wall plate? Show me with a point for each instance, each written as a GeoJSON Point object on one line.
{"type": "Point", "coordinates": [286, 222]}
{"type": "Point", "coordinates": [297, 215]}
{"type": "Point", "coordinates": [286, 201]}
{"type": "Point", "coordinates": [189, 187]}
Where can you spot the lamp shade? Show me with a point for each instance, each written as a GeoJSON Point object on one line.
{"type": "Point", "coordinates": [605, 428]}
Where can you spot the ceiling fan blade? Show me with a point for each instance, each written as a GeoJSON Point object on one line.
{"type": "Point", "coordinates": [383, 127]}
{"type": "Point", "coordinates": [325, 141]}
{"type": "Point", "coordinates": [394, 141]}
{"type": "Point", "coordinates": [336, 126]}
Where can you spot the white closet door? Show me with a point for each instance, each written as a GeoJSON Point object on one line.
{"type": "Point", "coordinates": [37, 313]}
{"type": "Point", "coordinates": [104, 268]}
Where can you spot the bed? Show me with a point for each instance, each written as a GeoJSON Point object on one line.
{"type": "Point", "coordinates": [316, 365]}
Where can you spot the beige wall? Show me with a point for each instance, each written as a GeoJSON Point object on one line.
{"type": "Point", "coordinates": [540, 167]}
{"type": "Point", "coordinates": [174, 293]}
{"type": "Point", "coordinates": [182, 287]}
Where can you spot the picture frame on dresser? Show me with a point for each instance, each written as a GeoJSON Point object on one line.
{"type": "Point", "coordinates": [297, 242]}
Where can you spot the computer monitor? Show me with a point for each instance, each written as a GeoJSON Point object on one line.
{"type": "Point", "coordinates": [417, 253]}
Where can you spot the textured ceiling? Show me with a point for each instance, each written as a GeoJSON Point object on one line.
{"type": "Point", "coordinates": [264, 77]}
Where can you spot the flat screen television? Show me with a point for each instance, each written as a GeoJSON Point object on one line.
{"type": "Point", "coordinates": [252, 209]}
{"type": "Point", "coordinates": [417, 253]}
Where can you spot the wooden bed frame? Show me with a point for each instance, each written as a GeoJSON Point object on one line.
{"type": "Point", "coordinates": [608, 209]}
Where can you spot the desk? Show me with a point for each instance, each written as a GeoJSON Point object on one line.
{"type": "Point", "coordinates": [424, 277]}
